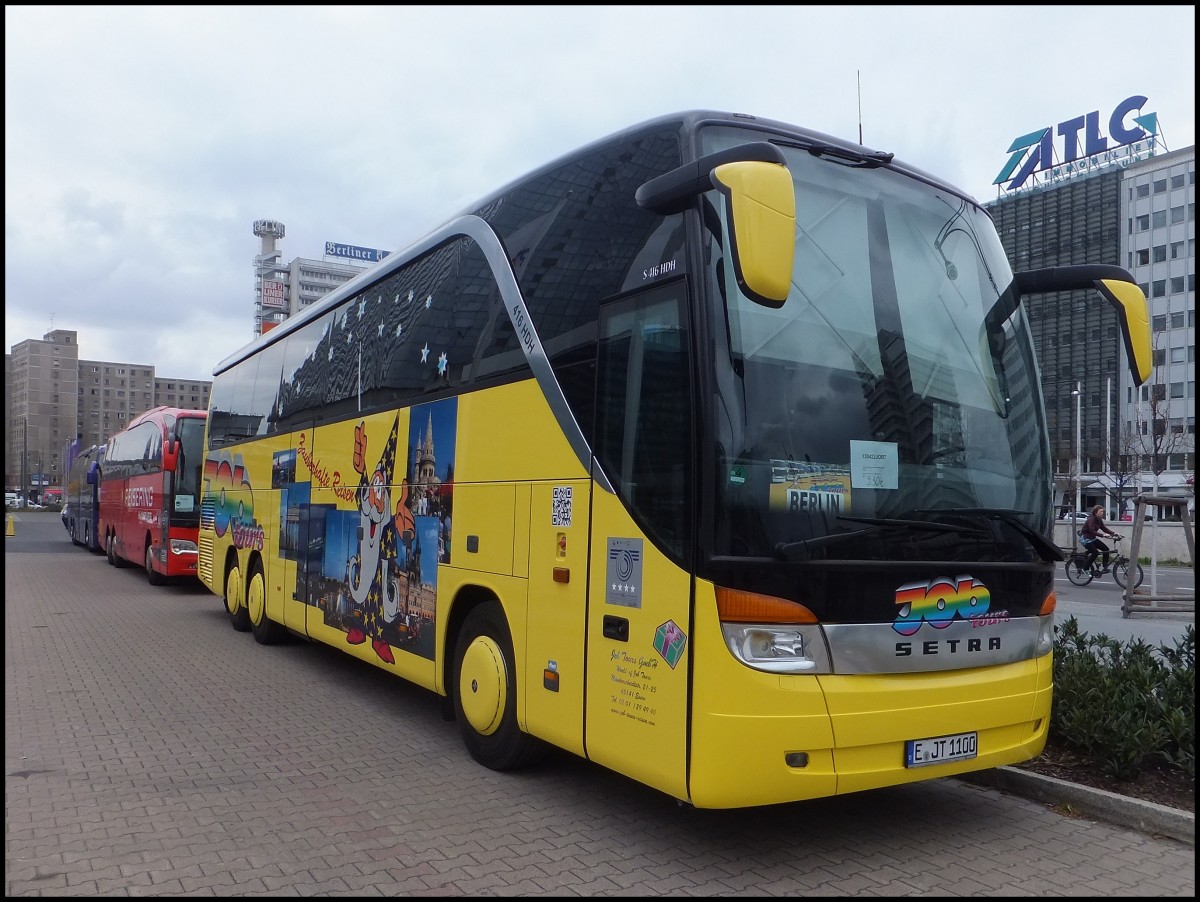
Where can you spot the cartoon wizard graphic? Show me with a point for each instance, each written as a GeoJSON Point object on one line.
{"type": "Point", "coordinates": [371, 583]}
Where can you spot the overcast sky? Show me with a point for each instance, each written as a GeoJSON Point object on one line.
{"type": "Point", "coordinates": [141, 143]}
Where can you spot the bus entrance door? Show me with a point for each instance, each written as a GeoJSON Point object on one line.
{"type": "Point", "coordinates": [637, 692]}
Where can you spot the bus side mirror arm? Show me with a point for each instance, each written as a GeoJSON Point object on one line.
{"type": "Point", "coordinates": [760, 212]}
{"type": "Point", "coordinates": [170, 455]}
{"type": "Point", "coordinates": [1117, 287]}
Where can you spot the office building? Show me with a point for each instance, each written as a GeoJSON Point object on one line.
{"type": "Point", "coordinates": [54, 397]}
{"type": "Point", "coordinates": [284, 289]}
{"type": "Point", "coordinates": [1135, 210]}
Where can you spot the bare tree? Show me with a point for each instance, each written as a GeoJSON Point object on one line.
{"type": "Point", "coordinates": [1121, 480]}
{"type": "Point", "coordinates": [1154, 437]}
{"type": "Point", "coordinates": [1067, 481]}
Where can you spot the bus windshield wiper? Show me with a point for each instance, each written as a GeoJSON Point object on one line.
{"type": "Point", "coordinates": [1047, 549]}
{"type": "Point", "coordinates": [933, 526]}
{"type": "Point", "coordinates": [869, 158]}
{"type": "Point", "coordinates": [792, 550]}
{"type": "Point", "coordinates": [789, 551]}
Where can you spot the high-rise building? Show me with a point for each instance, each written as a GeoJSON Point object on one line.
{"type": "Point", "coordinates": [284, 289]}
{"type": "Point", "coordinates": [1136, 211]}
{"type": "Point", "coordinates": [55, 398]}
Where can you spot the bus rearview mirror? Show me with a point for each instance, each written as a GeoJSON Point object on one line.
{"type": "Point", "coordinates": [1117, 287]}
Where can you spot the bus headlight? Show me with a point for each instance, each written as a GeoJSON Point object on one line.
{"type": "Point", "coordinates": [182, 546]}
{"type": "Point", "coordinates": [772, 634]}
{"type": "Point", "coordinates": [1045, 639]}
{"type": "Point", "coordinates": [778, 648]}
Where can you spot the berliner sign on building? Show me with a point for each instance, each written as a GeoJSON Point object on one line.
{"type": "Point", "coordinates": [1131, 137]}
{"type": "Point", "coordinates": [353, 252]}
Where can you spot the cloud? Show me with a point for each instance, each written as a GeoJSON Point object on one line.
{"type": "Point", "coordinates": [143, 142]}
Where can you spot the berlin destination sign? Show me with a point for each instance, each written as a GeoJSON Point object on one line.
{"type": "Point", "coordinates": [1125, 144]}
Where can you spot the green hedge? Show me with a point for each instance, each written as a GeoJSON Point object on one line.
{"type": "Point", "coordinates": [1126, 706]}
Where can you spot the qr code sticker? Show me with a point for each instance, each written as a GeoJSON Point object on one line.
{"type": "Point", "coordinates": [561, 515]}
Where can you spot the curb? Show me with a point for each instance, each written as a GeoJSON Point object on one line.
{"type": "Point", "coordinates": [1100, 804]}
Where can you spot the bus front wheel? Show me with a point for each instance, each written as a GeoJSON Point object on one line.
{"type": "Point", "coordinates": [152, 576]}
{"type": "Point", "coordinates": [485, 693]}
{"type": "Point", "coordinates": [235, 599]}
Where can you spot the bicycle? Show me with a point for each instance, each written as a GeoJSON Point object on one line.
{"type": "Point", "coordinates": [1080, 574]}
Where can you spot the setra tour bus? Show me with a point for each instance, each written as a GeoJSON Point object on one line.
{"type": "Point", "coordinates": [713, 452]}
{"type": "Point", "coordinates": [81, 501]}
{"type": "Point", "coordinates": [150, 492]}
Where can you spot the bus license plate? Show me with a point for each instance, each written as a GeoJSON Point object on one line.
{"type": "Point", "coordinates": [940, 749]}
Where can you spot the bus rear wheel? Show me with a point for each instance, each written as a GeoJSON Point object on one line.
{"type": "Point", "coordinates": [235, 599]}
{"type": "Point", "coordinates": [266, 631]}
{"type": "Point", "coordinates": [485, 693]}
{"type": "Point", "coordinates": [152, 576]}
{"type": "Point", "coordinates": [113, 558]}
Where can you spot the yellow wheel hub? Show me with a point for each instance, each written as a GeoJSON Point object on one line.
{"type": "Point", "coordinates": [233, 591]}
{"type": "Point", "coordinates": [483, 685]}
{"type": "Point", "coordinates": [256, 599]}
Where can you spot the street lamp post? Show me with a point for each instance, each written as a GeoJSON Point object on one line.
{"type": "Point", "coordinates": [1078, 393]}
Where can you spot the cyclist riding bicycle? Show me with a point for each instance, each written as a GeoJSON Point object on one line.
{"type": "Point", "coordinates": [1089, 537]}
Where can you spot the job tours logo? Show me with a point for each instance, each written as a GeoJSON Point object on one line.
{"type": "Point", "coordinates": [229, 500]}
{"type": "Point", "coordinates": [939, 601]}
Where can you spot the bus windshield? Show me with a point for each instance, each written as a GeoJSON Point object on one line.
{"type": "Point", "coordinates": [897, 382]}
{"type": "Point", "coordinates": [185, 508]}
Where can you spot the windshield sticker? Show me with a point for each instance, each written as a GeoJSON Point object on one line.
{"type": "Point", "coordinates": [873, 465]}
{"type": "Point", "coordinates": [808, 488]}
{"type": "Point", "coordinates": [625, 572]}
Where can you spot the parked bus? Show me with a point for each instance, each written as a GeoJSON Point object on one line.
{"type": "Point", "coordinates": [150, 492]}
{"type": "Point", "coordinates": [81, 501]}
{"type": "Point", "coordinates": [714, 453]}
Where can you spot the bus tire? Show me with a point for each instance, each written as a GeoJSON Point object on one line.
{"type": "Point", "coordinates": [266, 631]}
{"type": "Point", "coordinates": [485, 693]}
{"type": "Point", "coordinates": [152, 576]}
{"type": "Point", "coordinates": [235, 598]}
{"type": "Point", "coordinates": [113, 558]}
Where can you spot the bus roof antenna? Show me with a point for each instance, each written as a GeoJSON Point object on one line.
{"type": "Point", "coordinates": [858, 72]}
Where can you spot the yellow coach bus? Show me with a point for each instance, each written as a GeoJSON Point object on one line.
{"type": "Point", "coordinates": [713, 452]}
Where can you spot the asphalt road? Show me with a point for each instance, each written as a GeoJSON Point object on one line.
{"type": "Point", "coordinates": [152, 750]}
{"type": "Point", "coordinates": [1097, 606]}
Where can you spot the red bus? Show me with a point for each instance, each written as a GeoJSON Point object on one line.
{"type": "Point", "coordinates": [150, 492]}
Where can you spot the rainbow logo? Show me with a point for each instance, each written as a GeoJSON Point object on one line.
{"type": "Point", "coordinates": [938, 601]}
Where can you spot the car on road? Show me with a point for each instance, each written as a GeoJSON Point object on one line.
{"type": "Point", "coordinates": [1075, 516]}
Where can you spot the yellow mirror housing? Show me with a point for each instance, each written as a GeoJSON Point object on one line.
{"type": "Point", "coordinates": [761, 211]}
